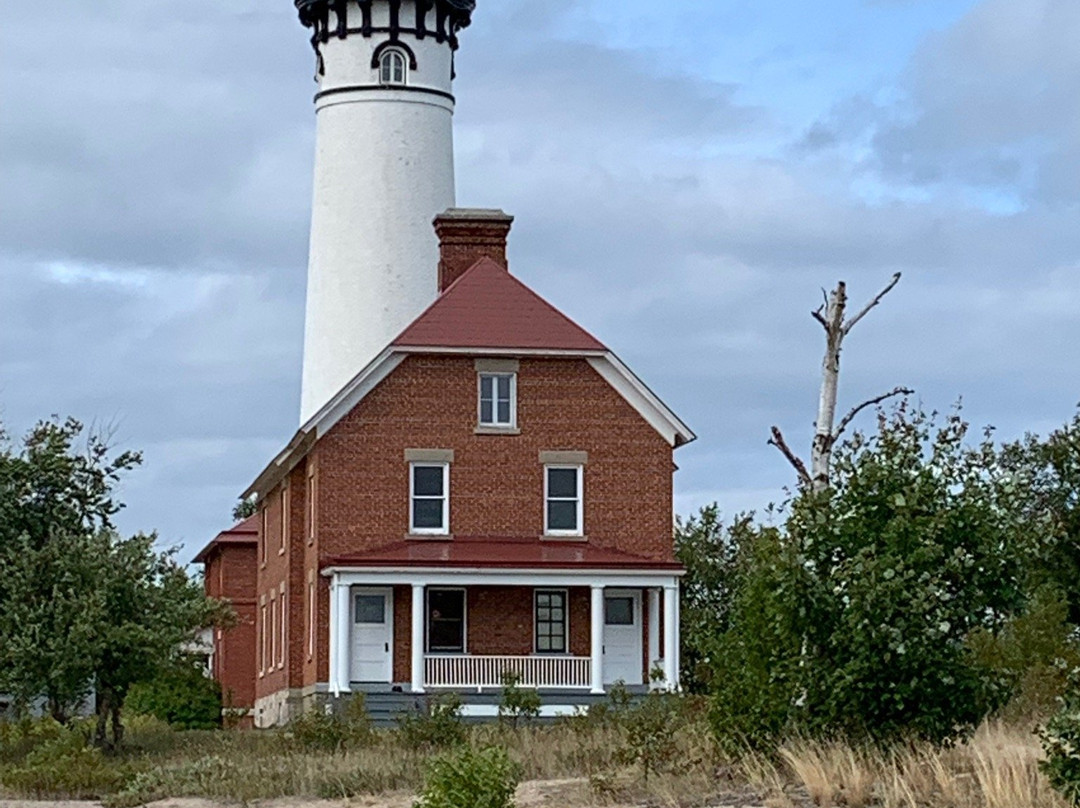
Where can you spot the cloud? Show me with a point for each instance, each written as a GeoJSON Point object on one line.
{"type": "Point", "coordinates": [154, 217]}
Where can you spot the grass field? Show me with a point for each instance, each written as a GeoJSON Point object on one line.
{"type": "Point", "coordinates": [575, 763]}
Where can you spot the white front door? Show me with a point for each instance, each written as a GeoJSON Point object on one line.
{"type": "Point", "coordinates": [622, 636]}
{"type": "Point", "coordinates": [372, 635]}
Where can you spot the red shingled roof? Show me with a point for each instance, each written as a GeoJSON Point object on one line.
{"type": "Point", "coordinates": [503, 553]}
{"type": "Point", "coordinates": [246, 532]}
{"type": "Point", "coordinates": [487, 307]}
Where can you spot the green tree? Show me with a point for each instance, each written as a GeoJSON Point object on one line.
{"type": "Point", "coordinates": [858, 616]}
{"type": "Point", "coordinates": [81, 608]}
{"type": "Point", "coordinates": [243, 509]}
{"type": "Point", "coordinates": [56, 493]}
{"type": "Point", "coordinates": [710, 551]}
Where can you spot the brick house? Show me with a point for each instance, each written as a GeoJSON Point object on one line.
{"type": "Point", "coordinates": [492, 493]}
{"type": "Point", "coordinates": [230, 572]}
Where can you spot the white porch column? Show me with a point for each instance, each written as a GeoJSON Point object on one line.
{"type": "Point", "coordinates": [654, 632]}
{"type": "Point", "coordinates": [671, 637]}
{"type": "Point", "coordinates": [596, 646]}
{"type": "Point", "coordinates": [335, 688]}
{"type": "Point", "coordinates": [344, 655]}
{"type": "Point", "coordinates": [417, 638]}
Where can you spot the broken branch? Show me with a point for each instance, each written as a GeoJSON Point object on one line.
{"type": "Point", "coordinates": [877, 299]}
{"type": "Point", "coordinates": [778, 441]}
{"type": "Point", "coordinates": [847, 419]}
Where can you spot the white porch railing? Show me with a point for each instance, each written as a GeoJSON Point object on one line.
{"type": "Point", "coordinates": [488, 671]}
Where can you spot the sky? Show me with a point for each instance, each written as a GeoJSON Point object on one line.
{"type": "Point", "coordinates": [687, 176]}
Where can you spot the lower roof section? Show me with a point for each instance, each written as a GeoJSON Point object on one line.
{"type": "Point", "coordinates": [495, 553]}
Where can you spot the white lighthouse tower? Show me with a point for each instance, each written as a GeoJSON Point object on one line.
{"type": "Point", "coordinates": [384, 167]}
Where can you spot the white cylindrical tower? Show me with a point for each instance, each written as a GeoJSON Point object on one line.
{"type": "Point", "coordinates": [384, 167]}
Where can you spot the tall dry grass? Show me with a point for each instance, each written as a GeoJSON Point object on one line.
{"type": "Point", "coordinates": [998, 768]}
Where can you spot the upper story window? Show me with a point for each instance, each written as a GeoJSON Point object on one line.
{"type": "Point", "coordinates": [429, 498]}
{"type": "Point", "coordinates": [563, 500]}
{"type": "Point", "coordinates": [498, 400]}
{"type": "Point", "coordinates": [393, 69]}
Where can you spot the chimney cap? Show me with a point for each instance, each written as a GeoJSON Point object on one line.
{"type": "Point", "coordinates": [474, 214]}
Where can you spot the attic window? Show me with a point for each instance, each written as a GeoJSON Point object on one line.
{"type": "Point", "coordinates": [392, 67]}
{"type": "Point", "coordinates": [498, 400]}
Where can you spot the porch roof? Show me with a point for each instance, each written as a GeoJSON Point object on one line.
{"type": "Point", "coordinates": [500, 553]}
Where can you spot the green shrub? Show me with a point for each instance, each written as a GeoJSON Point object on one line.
{"type": "Point", "coordinates": [19, 738]}
{"type": "Point", "coordinates": [517, 703]}
{"type": "Point", "coordinates": [328, 731]}
{"type": "Point", "coordinates": [1061, 741]}
{"type": "Point", "coordinates": [467, 778]}
{"type": "Point", "coordinates": [66, 766]}
{"type": "Point", "coordinates": [181, 695]}
{"type": "Point", "coordinates": [650, 726]}
{"type": "Point", "coordinates": [437, 726]}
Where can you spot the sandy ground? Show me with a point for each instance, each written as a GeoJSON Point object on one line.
{"type": "Point", "coordinates": [536, 794]}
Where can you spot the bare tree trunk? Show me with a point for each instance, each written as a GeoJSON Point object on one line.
{"type": "Point", "coordinates": [831, 317]}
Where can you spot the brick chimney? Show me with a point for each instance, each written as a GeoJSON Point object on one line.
{"type": "Point", "coordinates": [465, 236]}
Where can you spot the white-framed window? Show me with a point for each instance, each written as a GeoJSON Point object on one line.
{"type": "Point", "coordinates": [264, 534]}
{"type": "Point", "coordinates": [429, 499]}
{"type": "Point", "coordinates": [262, 638]}
{"type": "Point", "coordinates": [273, 633]}
{"type": "Point", "coordinates": [393, 68]}
{"type": "Point", "coordinates": [283, 534]}
{"type": "Point", "coordinates": [551, 621]}
{"type": "Point", "coordinates": [311, 614]}
{"type": "Point", "coordinates": [446, 621]}
{"type": "Point", "coordinates": [563, 500]}
{"type": "Point", "coordinates": [498, 400]}
{"type": "Point", "coordinates": [312, 492]}
{"type": "Point", "coordinates": [283, 625]}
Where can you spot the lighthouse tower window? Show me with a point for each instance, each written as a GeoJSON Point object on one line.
{"type": "Point", "coordinates": [392, 67]}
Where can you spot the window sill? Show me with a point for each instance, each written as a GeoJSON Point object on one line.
{"type": "Point", "coordinates": [563, 537]}
{"type": "Point", "coordinates": [496, 430]}
{"type": "Point", "coordinates": [429, 536]}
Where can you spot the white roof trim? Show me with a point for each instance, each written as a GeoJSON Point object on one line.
{"type": "Point", "coordinates": [499, 351]}
{"type": "Point", "coordinates": [642, 399]}
{"type": "Point", "coordinates": [354, 392]}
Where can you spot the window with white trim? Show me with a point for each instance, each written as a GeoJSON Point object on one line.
{"type": "Point", "coordinates": [284, 624]}
{"type": "Point", "coordinates": [311, 493]}
{"type": "Point", "coordinates": [429, 499]}
{"type": "Point", "coordinates": [311, 615]}
{"type": "Point", "coordinates": [262, 638]}
{"type": "Point", "coordinates": [551, 621]}
{"type": "Point", "coordinates": [498, 400]}
{"type": "Point", "coordinates": [392, 67]}
{"type": "Point", "coordinates": [283, 532]}
{"type": "Point", "coordinates": [446, 621]}
{"type": "Point", "coordinates": [273, 632]}
{"type": "Point", "coordinates": [563, 500]}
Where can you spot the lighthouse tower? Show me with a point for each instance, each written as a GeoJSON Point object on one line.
{"type": "Point", "coordinates": [384, 167]}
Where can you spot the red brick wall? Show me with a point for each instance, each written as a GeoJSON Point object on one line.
{"type": "Point", "coordinates": [230, 574]}
{"type": "Point", "coordinates": [496, 490]}
{"type": "Point", "coordinates": [496, 482]}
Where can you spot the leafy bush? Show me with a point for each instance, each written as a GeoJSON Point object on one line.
{"type": "Point", "coordinates": [181, 695]}
{"type": "Point", "coordinates": [1061, 741]}
{"type": "Point", "coordinates": [650, 732]}
{"type": "Point", "coordinates": [467, 778]}
{"type": "Point", "coordinates": [517, 703]}
{"type": "Point", "coordinates": [437, 726]}
{"type": "Point", "coordinates": [328, 731]}
{"type": "Point", "coordinates": [64, 765]}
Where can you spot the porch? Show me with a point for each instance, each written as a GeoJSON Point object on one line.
{"type": "Point", "coordinates": [569, 632]}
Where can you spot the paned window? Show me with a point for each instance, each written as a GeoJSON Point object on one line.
{"type": "Point", "coordinates": [262, 639]}
{"type": "Point", "coordinates": [283, 533]}
{"type": "Point", "coordinates": [563, 508]}
{"type": "Point", "coordinates": [498, 399]}
{"type": "Point", "coordinates": [429, 498]}
{"type": "Point", "coordinates": [311, 617]}
{"type": "Point", "coordinates": [550, 621]}
{"type": "Point", "coordinates": [273, 633]}
{"type": "Point", "coordinates": [446, 621]}
{"type": "Point", "coordinates": [619, 611]}
{"type": "Point", "coordinates": [311, 492]}
{"type": "Point", "coordinates": [392, 67]}
{"type": "Point", "coordinates": [283, 624]}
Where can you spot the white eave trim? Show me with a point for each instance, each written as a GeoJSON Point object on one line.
{"type": "Point", "coordinates": [642, 399]}
{"type": "Point", "coordinates": [444, 576]}
{"type": "Point", "coordinates": [609, 366]}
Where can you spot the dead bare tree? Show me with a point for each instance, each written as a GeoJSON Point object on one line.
{"type": "Point", "coordinates": [831, 316]}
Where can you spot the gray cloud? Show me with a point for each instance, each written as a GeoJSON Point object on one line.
{"type": "Point", "coordinates": [153, 233]}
